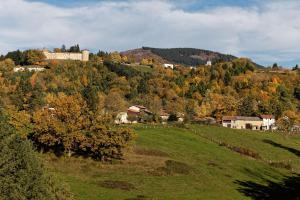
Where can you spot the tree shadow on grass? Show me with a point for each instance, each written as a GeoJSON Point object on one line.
{"type": "Point", "coordinates": [287, 189]}
{"type": "Point", "coordinates": [292, 150]}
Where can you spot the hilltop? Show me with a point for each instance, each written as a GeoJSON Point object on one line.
{"type": "Point", "coordinates": [184, 56]}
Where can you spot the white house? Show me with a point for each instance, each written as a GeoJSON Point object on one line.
{"type": "Point", "coordinates": [268, 122]}
{"type": "Point", "coordinates": [171, 66]}
{"type": "Point", "coordinates": [122, 118]}
{"type": "Point", "coordinates": [22, 69]}
{"type": "Point", "coordinates": [208, 63]}
{"type": "Point", "coordinates": [264, 122]}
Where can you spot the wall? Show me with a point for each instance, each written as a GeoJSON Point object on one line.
{"type": "Point", "coordinates": [241, 124]}
{"type": "Point", "coordinates": [84, 56]}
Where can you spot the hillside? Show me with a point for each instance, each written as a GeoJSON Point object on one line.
{"type": "Point", "coordinates": [190, 56]}
{"type": "Point", "coordinates": [182, 163]}
{"type": "Point", "coordinates": [184, 56]}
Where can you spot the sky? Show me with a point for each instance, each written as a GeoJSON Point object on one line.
{"type": "Point", "coordinates": [267, 31]}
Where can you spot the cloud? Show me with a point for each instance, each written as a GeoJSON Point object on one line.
{"type": "Point", "coordinates": [267, 32]}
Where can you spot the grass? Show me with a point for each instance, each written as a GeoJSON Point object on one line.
{"type": "Point", "coordinates": [142, 68]}
{"type": "Point", "coordinates": [184, 163]}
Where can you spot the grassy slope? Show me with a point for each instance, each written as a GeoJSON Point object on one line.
{"type": "Point", "coordinates": [215, 169]}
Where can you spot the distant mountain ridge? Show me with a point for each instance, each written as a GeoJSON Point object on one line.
{"type": "Point", "coordinates": [184, 56]}
{"type": "Point", "coordinates": [190, 56]}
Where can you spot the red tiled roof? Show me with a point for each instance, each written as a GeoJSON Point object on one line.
{"type": "Point", "coordinates": [164, 113]}
{"type": "Point", "coordinates": [267, 116]}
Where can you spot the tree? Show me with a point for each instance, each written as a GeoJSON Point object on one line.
{"type": "Point", "coordinates": [145, 61]}
{"type": "Point", "coordinates": [114, 102]}
{"type": "Point", "coordinates": [34, 57]}
{"type": "Point", "coordinates": [227, 78]}
{"type": "Point", "coordinates": [63, 48]}
{"type": "Point", "coordinates": [61, 125]}
{"type": "Point", "coordinates": [275, 66]}
{"type": "Point", "coordinates": [295, 68]}
{"type": "Point", "coordinates": [17, 56]}
{"type": "Point", "coordinates": [7, 65]}
{"type": "Point", "coordinates": [74, 49]}
{"type": "Point", "coordinates": [247, 107]}
{"type": "Point", "coordinates": [124, 59]}
{"type": "Point", "coordinates": [21, 173]}
{"type": "Point", "coordinates": [115, 57]}
{"type": "Point", "coordinates": [297, 92]}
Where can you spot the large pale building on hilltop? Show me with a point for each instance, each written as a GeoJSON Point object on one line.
{"type": "Point", "coordinates": [83, 56]}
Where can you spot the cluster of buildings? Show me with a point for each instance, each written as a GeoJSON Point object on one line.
{"type": "Point", "coordinates": [140, 114]}
{"type": "Point", "coordinates": [172, 66]}
{"type": "Point", "coordinates": [263, 122]}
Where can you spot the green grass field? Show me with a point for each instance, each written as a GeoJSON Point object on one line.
{"type": "Point", "coordinates": [203, 169]}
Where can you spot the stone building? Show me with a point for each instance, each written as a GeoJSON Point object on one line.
{"type": "Point", "coordinates": [83, 56]}
{"type": "Point", "coordinates": [264, 122]}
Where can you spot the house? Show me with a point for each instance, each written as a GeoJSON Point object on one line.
{"type": "Point", "coordinates": [180, 117]}
{"type": "Point", "coordinates": [122, 118]}
{"type": "Point", "coordinates": [241, 122]}
{"type": "Point", "coordinates": [268, 122]}
{"type": "Point", "coordinates": [134, 114]}
{"type": "Point", "coordinates": [208, 63]}
{"type": "Point", "coordinates": [264, 122]}
{"type": "Point", "coordinates": [164, 116]}
{"type": "Point", "coordinates": [22, 69]}
{"type": "Point", "coordinates": [166, 65]}
{"type": "Point", "coordinates": [137, 109]}
{"type": "Point", "coordinates": [295, 128]}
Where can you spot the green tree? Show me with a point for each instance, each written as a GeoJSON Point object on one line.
{"type": "Point", "coordinates": [295, 68]}
{"type": "Point", "coordinates": [115, 57]}
{"type": "Point", "coordinates": [22, 176]}
{"type": "Point", "coordinates": [227, 78]}
{"type": "Point", "coordinates": [247, 107]}
{"type": "Point", "coordinates": [34, 57]}
{"type": "Point", "coordinates": [74, 49]}
{"type": "Point", "coordinates": [17, 56]}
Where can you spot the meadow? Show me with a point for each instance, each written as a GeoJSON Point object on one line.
{"type": "Point", "coordinates": [189, 162]}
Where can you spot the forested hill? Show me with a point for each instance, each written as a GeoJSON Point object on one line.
{"type": "Point", "coordinates": [190, 56]}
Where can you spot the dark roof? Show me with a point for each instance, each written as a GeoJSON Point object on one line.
{"type": "Point", "coordinates": [230, 118]}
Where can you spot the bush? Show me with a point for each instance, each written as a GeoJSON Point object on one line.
{"type": "Point", "coordinates": [122, 185]}
{"type": "Point", "coordinates": [22, 175]}
{"type": "Point", "coordinates": [175, 167]}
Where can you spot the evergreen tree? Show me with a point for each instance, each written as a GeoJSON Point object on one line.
{"type": "Point", "coordinates": [227, 78]}
{"type": "Point", "coordinates": [295, 68]}
{"type": "Point", "coordinates": [63, 48]}
{"type": "Point", "coordinates": [275, 66]}
{"type": "Point", "coordinates": [17, 56]}
{"type": "Point", "coordinates": [22, 176]}
{"type": "Point", "coordinates": [75, 48]}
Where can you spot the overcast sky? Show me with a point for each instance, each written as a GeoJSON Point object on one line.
{"type": "Point", "coordinates": [267, 31]}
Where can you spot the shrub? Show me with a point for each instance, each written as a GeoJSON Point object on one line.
{"type": "Point", "coordinates": [175, 167]}
{"type": "Point", "coordinates": [122, 185]}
